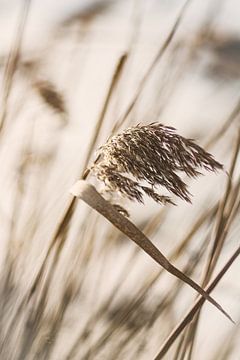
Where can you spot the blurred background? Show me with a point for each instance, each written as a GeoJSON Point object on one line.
{"type": "Point", "coordinates": [72, 74]}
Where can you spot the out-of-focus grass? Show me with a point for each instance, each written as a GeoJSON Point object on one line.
{"type": "Point", "coordinates": [72, 286]}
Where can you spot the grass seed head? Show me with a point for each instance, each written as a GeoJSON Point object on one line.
{"type": "Point", "coordinates": [151, 154]}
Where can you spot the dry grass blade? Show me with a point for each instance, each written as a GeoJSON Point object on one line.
{"type": "Point", "coordinates": [89, 194]}
{"type": "Point", "coordinates": [145, 288]}
{"type": "Point", "coordinates": [166, 302]}
{"type": "Point", "coordinates": [189, 316]}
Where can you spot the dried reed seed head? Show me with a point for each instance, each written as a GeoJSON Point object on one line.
{"type": "Point", "coordinates": [50, 95]}
{"type": "Point", "coordinates": [153, 154]}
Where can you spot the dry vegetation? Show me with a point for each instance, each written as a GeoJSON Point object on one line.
{"type": "Point", "coordinates": [73, 284]}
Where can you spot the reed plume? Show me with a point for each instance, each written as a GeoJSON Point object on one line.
{"type": "Point", "coordinates": [144, 157]}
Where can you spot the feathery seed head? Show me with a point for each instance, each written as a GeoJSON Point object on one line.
{"type": "Point", "coordinates": [150, 154]}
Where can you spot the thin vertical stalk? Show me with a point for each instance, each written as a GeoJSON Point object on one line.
{"type": "Point", "coordinates": [12, 62]}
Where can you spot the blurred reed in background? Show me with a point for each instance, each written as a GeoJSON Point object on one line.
{"type": "Point", "coordinates": [72, 285]}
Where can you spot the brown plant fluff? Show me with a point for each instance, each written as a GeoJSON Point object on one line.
{"type": "Point", "coordinates": [154, 154]}
{"type": "Point", "coordinates": [50, 95]}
